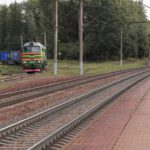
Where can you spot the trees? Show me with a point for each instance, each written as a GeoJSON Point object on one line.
{"type": "Point", "coordinates": [102, 22]}
{"type": "Point", "coordinates": [3, 27]}
{"type": "Point", "coordinates": [102, 39]}
{"type": "Point", "coordinates": [14, 27]}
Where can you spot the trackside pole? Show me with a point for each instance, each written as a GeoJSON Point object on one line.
{"type": "Point", "coordinates": [121, 47]}
{"type": "Point", "coordinates": [81, 37]}
{"type": "Point", "coordinates": [55, 38]}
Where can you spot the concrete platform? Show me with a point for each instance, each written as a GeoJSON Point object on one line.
{"type": "Point", "coordinates": [123, 126]}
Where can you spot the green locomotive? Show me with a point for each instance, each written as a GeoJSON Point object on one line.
{"type": "Point", "coordinates": [34, 57]}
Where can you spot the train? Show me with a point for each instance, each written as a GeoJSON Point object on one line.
{"type": "Point", "coordinates": [12, 57]}
{"type": "Point", "coordinates": [33, 57]}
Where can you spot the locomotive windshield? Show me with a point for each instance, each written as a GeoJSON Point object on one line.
{"type": "Point", "coordinates": [32, 49]}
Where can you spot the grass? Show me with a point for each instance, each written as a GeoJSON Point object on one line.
{"type": "Point", "coordinates": [10, 69]}
{"type": "Point", "coordinates": [68, 67]}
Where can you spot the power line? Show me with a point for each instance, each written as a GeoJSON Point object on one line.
{"type": "Point", "coordinates": [146, 6]}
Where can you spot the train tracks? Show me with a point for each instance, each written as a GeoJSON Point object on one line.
{"type": "Point", "coordinates": [42, 130]}
{"type": "Point", "coordinates": [27, 94]}
{"type": "Point", "coordinates": [15, 77]}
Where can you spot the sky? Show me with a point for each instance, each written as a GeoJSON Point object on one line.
{"type": "Point", "coordinates": [9, 1]}
{"type": "Point", "coordinates": [146, 2]}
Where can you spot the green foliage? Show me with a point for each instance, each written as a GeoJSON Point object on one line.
{"type": "Point", "coordinates": [3, 27]}
{"type": "Point", "coordinates": [102, 40]}
{"type": "Point", "coordinates": [7, 69]}
{"type": "Point", "coordinates": [102, 23]}
{"type": "Point", "coordinates": [68, 51]}
{"type": "Point", "coordinates": [14, 27]}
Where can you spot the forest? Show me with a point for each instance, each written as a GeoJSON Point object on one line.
{"type": "Point", "coordinates": [103, 20]}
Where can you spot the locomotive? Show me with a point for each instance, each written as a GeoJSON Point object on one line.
{"type": "Point", "coordinates": [34, 57]}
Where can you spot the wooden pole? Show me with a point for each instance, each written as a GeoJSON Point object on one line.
{"type": "Point", "coordinates": [45, 39]}
{"type": "Point", "coordinates": [121, 47]}
{"type": "Point", "coordinates": [81, 37]}
{"type": "Point", "coordinates": [21, 41]}
{"type": "Point", "coordinates": [56, 37]}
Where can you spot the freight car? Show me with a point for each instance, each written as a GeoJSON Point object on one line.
{"type": "Point", "coordinates": [15, 57]}
{"type": "Point", "coordinates": [34, 58]}
{"type": "Point", "coordinates": [12, 57]}
{"type": "Point", "coordinates": [4, 57]}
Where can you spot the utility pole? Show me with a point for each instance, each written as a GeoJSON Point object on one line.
{"type": "Point", "coordinates": [55, 38]}
{"type": "Point", "coordinates": [149, 50]}
{"type": "Point", "coordinates": [45, 40]}
{"type": "Point", "coordinates": [81, 37]}
{"type": "Point", "coordinates": [149, 57]}
{"type": "Point", "coordinates": [121, 47]}
{"type": "Point", "coordinates": [21, 41]}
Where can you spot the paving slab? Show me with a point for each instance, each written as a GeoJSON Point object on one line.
{"type": "Point", "coordinates": [123, 126]}
{"type": "Point", "coordinates": [136, 135]}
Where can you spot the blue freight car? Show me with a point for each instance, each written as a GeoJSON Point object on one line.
{"type": "Point", "coordinates": [4, 57]}
{"type": "Point", "coordinates": [15, 57]}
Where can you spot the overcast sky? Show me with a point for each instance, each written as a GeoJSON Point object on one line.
{"type": "Point", "coordinates": [9, 1]}
{"type": "Point", "coordinates": [146, 2]}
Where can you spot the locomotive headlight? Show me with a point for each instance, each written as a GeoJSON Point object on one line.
{"type": "Point", "coordinates": [40, 61]}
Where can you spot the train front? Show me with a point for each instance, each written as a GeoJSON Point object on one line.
{"type": "Point", "coordinates": [33, 57]}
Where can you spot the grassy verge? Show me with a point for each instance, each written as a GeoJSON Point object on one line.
{"type": "Point", "coordinates": [67, 67]}
{"type": "Point", "coordinates": [10, 69]}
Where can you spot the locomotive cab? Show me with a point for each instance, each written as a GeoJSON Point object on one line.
{"type": "Point", "coordinates": [34, 57]}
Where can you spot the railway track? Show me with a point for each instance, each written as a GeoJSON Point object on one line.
{"type": "Point", "coordinates": [42, 130]}
{"type": "Point", "coordinates": [27, 94]}
{"type": "Point", "coordinates": [14, 77]}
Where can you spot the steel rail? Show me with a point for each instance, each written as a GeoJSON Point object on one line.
{"type": "Point", "coordinates": [47, 89]}
{"type": "Point", "coordinates": [54, 136]}
{"type": "Point", "coordinates": [14, 77]}
{"type": "Point", "coordinates": [18, 125]}
{"type": "Point", "coordinates": [58, 134]}
{"type": "Point", "coordinates": [3, 79]}
{"type": "Point", "coordinates": [5, 95]}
